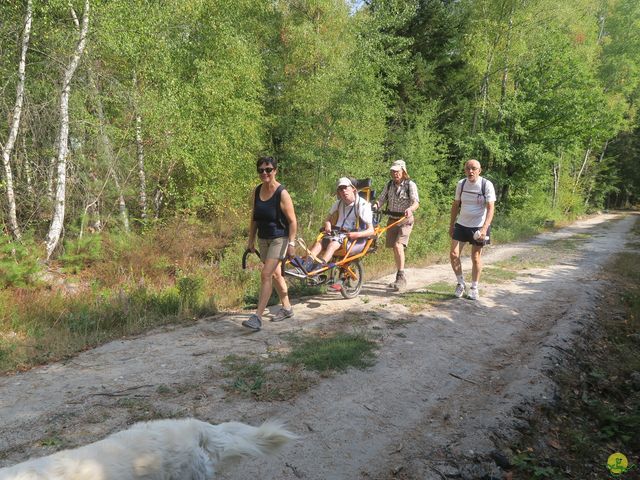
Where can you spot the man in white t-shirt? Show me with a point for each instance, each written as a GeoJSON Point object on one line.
{"type": "Point", "coordinates": [471, 217]}
{"type": "Point", "coordinates": [350, 217]}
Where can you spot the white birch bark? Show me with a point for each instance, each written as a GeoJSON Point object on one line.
{"type": "Point", "coordinates": [140, 151]}
{"type": "Point", "coordinates": [582, 168]}
{"type": "Point", "coordinates": [556, 185]}
{"type": "Point", "coordinates": [141, 173]}
{"type": "Point", "coordinates": [55, 229]}
{"type": "Point", "coordinates": [158, 200]}
{"type": "Point", "coordinates": [15, 126]}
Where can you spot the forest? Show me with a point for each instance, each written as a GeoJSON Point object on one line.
{"type": "Point", "coordinates": [129, 126]}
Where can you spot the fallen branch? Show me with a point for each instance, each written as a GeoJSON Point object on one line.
{"type": "Point", "coordinates": [461, 378]}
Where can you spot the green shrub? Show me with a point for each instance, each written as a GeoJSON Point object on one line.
{"type": "Point", "coordinates": [190, 290]}
{"type": "Point", "coordinates": [81, 253]}
{"type": "Point", "coordinates": [18, 263]}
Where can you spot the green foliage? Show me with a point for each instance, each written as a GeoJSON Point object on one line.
{"type": "Point", "coordinates": [261, 380]}
{"type": "Point", "coordinates": [530, 465]}
{"type": "Point", "coordinates": [190, 290]}
{"type": "Point", "coordinates": [18, 263]}
{"type": "Point", "coordinates": [81, 253]}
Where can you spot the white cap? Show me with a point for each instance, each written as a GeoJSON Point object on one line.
{"type": "Point", "coordinates": [344, 182]}
{"type": "Point", "coordinates": [399, 165]}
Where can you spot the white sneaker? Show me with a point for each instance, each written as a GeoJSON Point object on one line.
{"type": "Point", "coordinates": [459, 290]}
{"type": "Point", "coordinates": [473, 293]}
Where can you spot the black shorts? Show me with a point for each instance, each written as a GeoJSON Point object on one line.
{"type": "Point", "coordinates": [465, 234]}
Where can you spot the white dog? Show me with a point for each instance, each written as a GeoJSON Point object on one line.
{"type": "Point", "coordinates": [185, 449]}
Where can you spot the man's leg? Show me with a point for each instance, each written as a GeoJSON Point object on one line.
{"type": "Point", "coordinates": [398, 254]}
{"type": "Point", "coordinates": [476, 270]}
{"type": "Point", "coordinates": [456, 265]}
{"type": "Point", "coordinates": [330, 250]}
{"type": "Point", "coordinates": [316, 248]}
{"type": "Point", "coordinates": [454, 257]}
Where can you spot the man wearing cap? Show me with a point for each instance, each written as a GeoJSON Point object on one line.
{"type": "Point", "coordinates": [349, 217]}
{"type": "Point", "coordinates": [401, 196]}
{"type": "Point", "coordinates": [471, 217]}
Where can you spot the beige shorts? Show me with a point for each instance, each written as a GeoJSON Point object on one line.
{"type": "Point", "coordinates": [273, 248]}
{"type": "Point", "coordinates": [398, 234]}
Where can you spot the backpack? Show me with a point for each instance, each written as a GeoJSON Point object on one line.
{"type": "Point", "coordinates": [407, 187]}
{"type": "Point", "coordinates": [483, 186]}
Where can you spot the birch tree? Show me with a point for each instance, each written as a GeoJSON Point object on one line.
{"type": "Point", "coordinates": [140, 151]}
{"type": "Point", "coordinates": [55, 229]}
{"type": "Point", "coordinates": [7, 149]}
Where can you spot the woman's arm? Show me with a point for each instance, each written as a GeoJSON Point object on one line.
{"type": "Point", "coordinates": [251, 242]}
{"type": "Point", "coordinates": [286, 205]}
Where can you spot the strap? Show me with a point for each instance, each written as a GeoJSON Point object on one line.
{"type": "Point", "coordinates": [344, 219]}
{"type": "Point", "coordinates": [483, 186]}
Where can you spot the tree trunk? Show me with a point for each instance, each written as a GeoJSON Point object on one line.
{"type": "Point", "coordinates": [15, 125]}
{"type": "Point", "coordinates": [122, 206]}
{"type": "Point", "coordinates": [55, 229]}
{"type": "Point", "coordinates": [140, 152]}
{"type": "Point", "coordinates": [158, 199]}
{"type": "Point", "coordinates": [582, 168]}
{"type": "Point", "coordinates": [556, 185]}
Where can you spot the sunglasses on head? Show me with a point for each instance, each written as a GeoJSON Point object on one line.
{"type": "Point", "coordinates": [266, 170]}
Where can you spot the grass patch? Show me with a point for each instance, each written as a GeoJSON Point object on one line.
{"type": "Point", "coordinates": [433, 294]}
{"type": "Point", "coordinates": [497, 275]}
{"type": "Point", "coordinates": [569, 244]}
{"type": "Point", "coordinates": [598, 411]}
{"type": "Point", "coordinates": [337, 352]}
{"type": "Point", "coordinates": [264, 380]}
{"type": "Point", "coordinates": [535, 258]}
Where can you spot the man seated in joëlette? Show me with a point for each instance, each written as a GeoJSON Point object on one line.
{"type": "Point", "coordinates": [350, 217]}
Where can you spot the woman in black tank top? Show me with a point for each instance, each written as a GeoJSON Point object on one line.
{"type": "Point", "coordinates": [273, 219]}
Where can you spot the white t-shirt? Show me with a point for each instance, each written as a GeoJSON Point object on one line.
{"type": "Point", "coordinates": [473, 210]}
{"type": "Point", "coordinates": [347, 214]}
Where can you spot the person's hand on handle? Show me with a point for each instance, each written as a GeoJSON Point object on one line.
{"type": "Point", "coordinates": [291, 249]}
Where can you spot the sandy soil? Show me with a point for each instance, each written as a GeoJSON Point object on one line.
{"type": "Point", "coordinates": [452, 384]}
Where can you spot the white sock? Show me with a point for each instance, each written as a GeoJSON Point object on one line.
{"type": "Point", "coordinates": [460, 279]}
{"type": "Point", "coordinates": [474, 284]}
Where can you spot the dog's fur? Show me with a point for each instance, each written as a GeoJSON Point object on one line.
{"type": "Point", "coordinates": [185, 449]}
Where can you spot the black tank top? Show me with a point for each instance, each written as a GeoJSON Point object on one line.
{"type": "Point", "coordinates": [268, 215]}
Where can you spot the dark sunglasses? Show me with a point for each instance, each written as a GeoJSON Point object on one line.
{"type": "Point", "coordinates": [266, 170]}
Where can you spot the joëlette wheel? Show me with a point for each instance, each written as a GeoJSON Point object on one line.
{"type": "Point", "coordinates": [351, 286]}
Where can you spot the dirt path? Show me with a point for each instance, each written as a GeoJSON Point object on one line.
{"type": "Point", "coordinates": [452, 383]}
